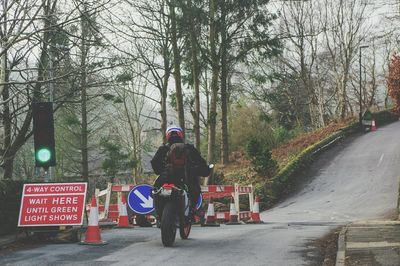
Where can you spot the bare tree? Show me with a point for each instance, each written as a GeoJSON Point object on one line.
{"type": "Point", "coordinates": [177, 65]}
{"type": "Point", "coordinates": [148, 34]}
{"type": "Point", "coordinates": [215, 69]}
{"type": "Point", "coordinates": [135, 114]}
{"type": "Point", "coordinates": [344, 24]}
{"type": "Point", "coordinates": [303, 29]}
{"type": "Point", "coordinates": [189, 11]}
{"type": "Point", "coordinates": [17, 94]}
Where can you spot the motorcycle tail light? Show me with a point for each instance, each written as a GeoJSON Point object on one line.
{"type": "Point", "coordinates": [168, 186]}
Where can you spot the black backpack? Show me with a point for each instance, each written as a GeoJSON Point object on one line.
{"type": "Point", "coordinates": [176, 161]}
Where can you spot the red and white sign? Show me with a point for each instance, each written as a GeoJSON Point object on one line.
{"type": "Point", "coordinates": [52, 204]}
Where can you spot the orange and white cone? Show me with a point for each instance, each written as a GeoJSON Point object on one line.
{"type": "Point", "coordinates": [92, 236]}
{"type": "Point", "coordinates": [123, 221]}
{"type": "Point", "coordinates": [233, 215]}
{"type": "Point", "coordinates": [255, 213]}
{"type": "Point", "coordinates": [373, 125]}
{"type": "Point", "coordinates": [210, 219]}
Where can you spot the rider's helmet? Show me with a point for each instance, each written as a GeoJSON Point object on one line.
{"type": "Point", "coordinates": [174, 134]}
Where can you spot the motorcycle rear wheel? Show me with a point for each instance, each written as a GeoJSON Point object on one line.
{"type": "Point", "coordinates": [184, 229]}
{"type": "Point", "coordinates": [168, 226]}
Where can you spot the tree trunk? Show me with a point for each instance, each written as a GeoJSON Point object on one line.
{"type": "Point", "coordinates": [224, 97]}
{"type": "Point", "coordinates": [212, 116]}
{"type": "Point", "coordinates": [84, 122]}
{"type": "Point", "coordinates": [133, 134]}
{"type": "Point", "coordinates": [321, 106]}
{"type": "Point", "coordinates": [343, 96]}
{"type": "Point", "coordinates": [84, 132]}
{"type": "Point", "coordinates": [195, 72]}
{"type": "Point", "coordinates": [177, 68]}
{"type": "Point", "coordinates": [8, 158]}
{"type": "Point", "coordinates": [7, 161]}
{"type": "Point", "coordinates": [3, 44]}
{"type": "Point", "coordinates": [8, 166]}
{"type": "Point", "coordinates": [9, 147]}
{"type": "Point", "coordinates": [164, 88]}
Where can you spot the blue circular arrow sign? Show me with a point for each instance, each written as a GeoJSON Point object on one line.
{"type": "Point", "coordinates": [140, 199]}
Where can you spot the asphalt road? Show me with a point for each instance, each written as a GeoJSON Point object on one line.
{"type": "Point", "coordinates": [355, 180]}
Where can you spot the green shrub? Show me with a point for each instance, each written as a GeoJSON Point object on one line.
{"type": "Point", "coordinates": [217, 177]}
{"type": "Point", "coordinates": [385, 117]}
{"type": "Point", "coordinates": [246, 122]}
{"type": "Point", "coordinates": [282, 134]}
{"type": "Point", "coordinates": [261, 157]}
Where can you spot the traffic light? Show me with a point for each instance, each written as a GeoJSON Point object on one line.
{"type": "Point", "coordinates": [43, 134]}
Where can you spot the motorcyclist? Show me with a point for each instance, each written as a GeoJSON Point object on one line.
{"type": "Point", "coordinates": [196, 167]}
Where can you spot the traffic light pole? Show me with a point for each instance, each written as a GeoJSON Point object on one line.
{"type": "Point", "coordinates": [48, 174]}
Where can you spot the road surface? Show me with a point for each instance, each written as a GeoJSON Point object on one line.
{"type": "Point", "coordinates": [355, 180]}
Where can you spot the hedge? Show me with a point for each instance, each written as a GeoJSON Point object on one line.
{"type": "Point", "coordinates": [10, 199]}
{"type": "Point", "coordinates": [284, 182]}
{"type": "Point", "coordinates": [385, 117]}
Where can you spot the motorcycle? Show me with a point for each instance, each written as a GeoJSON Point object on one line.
{"type": "Point", "coordinates": [175, 213]}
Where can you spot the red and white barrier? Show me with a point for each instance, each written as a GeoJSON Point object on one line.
{"type": "Point", "coordinates": [222, 216]}
{"type": "Point", "coordinates": [243, 190]}
{"type": "Point", "coordinates": [122, 188]}
{"type": "Point", "coordinates": [111, 212]}
{"type": "Point", "coordinates": [235, 191]}
{"type": "Point", "coordinates": [246, 215]}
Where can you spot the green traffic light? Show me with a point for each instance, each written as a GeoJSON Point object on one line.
{"type": "Point", "coordinates": [43, 155]}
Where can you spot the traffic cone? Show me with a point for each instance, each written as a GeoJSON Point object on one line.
{"type": "Point", "coordinates": [123, 221]}
{"type": "Point", "coordinates": [233, 216]}
{"type": "Point", "coordinates": [210, 219]}
{"type": "Point", "coordinates": [92, 236]}
{"type": "Point", "coordinates": [373, 126]}
{"type": "Point", "coordinates": [255, 214]}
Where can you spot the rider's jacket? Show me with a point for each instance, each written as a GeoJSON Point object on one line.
{"type": "Point", "coordinates": [196, 165]}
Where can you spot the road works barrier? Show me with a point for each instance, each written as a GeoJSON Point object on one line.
{"type": "Point", "coordinates": [234, 191]}
{"type": "Point", "coordinates": [110, 211]}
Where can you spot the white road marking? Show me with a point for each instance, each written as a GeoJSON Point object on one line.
{"type": "Point", "coordinates": [381, 159]}
{"type": "Point", "coordinates": [382, 244]}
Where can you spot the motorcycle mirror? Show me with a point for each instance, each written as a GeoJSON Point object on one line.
{"type": "Point", "coordinates": [211, 166]}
